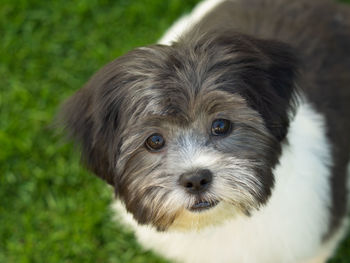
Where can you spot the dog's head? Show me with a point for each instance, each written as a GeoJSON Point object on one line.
{"type": "Point", "coordinates": [188, 134]}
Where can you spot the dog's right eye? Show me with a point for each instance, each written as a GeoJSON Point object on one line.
{"type": "Point", "coordinates": [220, 127]}
{"type": "Point", "coordinates": [155, 142]}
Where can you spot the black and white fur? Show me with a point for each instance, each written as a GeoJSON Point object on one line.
{"type": "Point", "coordinates": [279, 71]}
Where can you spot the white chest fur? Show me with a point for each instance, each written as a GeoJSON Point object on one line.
{"type": "Point", "coordinates": [288, 229]}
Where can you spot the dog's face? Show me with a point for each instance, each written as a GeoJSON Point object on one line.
{"type": "Point", "coordinates": [188, 134]}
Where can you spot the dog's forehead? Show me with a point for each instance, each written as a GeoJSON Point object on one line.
{"type": "Point", "coordinates": [178, 84]}
{"type": "Point", "coordinates": [184, 108]}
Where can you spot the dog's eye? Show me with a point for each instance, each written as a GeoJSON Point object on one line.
{"type": "Point", "coordinates": [220, 127]}
{"type": "Point", "coordinates": [155, 142]}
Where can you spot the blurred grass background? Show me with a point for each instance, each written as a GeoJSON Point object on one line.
{"type": "Point", "coordinates": [51, 209]}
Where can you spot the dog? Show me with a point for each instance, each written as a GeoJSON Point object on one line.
{"type": "Point", "coordinates": [228, 141]}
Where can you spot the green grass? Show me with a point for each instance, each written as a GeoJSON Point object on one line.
{"type": "Point", "coordinates": [51, 209]}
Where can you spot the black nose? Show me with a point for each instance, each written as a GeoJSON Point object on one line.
{"type": "Point", "coordinates": [197, 181]}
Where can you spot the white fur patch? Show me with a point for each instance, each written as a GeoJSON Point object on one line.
{"type": "Point", "coordinates": [186, 22]}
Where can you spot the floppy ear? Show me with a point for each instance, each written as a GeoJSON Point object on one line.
{"type": "Point", "coordinates": [268, 70]}
{"type": "Point", "coordinates": [275, 96]}
{"type": "Point", "coordinates": [77, 116]}
{"type": "Point", "coordinates": [96, 116]}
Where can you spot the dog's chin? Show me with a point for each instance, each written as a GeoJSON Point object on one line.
{"type": "Point", "coordinates": [203, 215]}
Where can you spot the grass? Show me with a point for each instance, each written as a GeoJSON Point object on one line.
{"type": "Point", "coordinates": [51, 209]}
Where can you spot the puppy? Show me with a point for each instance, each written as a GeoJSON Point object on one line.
{"type": "Point", "coordinates": [229, 140]}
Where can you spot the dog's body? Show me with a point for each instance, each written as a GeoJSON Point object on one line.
{"type": "Point", "coordinates": [274, 165]}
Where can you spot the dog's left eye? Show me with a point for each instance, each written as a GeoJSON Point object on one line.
{"type": "Point", "coordinates": [220, 127]}
{"type": "Point", "coordinates": [155, 142]}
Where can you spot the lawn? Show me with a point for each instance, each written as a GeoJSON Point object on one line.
{"type": "Point", "coordinates": [51, 209]}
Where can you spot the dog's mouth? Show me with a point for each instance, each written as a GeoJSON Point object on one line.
{"type": "Point", "coordinates": [203, 205]}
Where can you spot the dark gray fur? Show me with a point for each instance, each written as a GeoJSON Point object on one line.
{"type": "Point", "coordinates": [234, 63]}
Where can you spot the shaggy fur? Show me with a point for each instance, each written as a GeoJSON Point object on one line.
{"type": "Point", "coordinates": [254, 63]}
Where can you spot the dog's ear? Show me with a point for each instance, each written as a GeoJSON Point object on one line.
{"type": "Point", "coordinates": [77, 116]}
{"type": "Point", "coordinates": [267, 71]}
{"type": "Point", "coordinates": [274, 93]}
